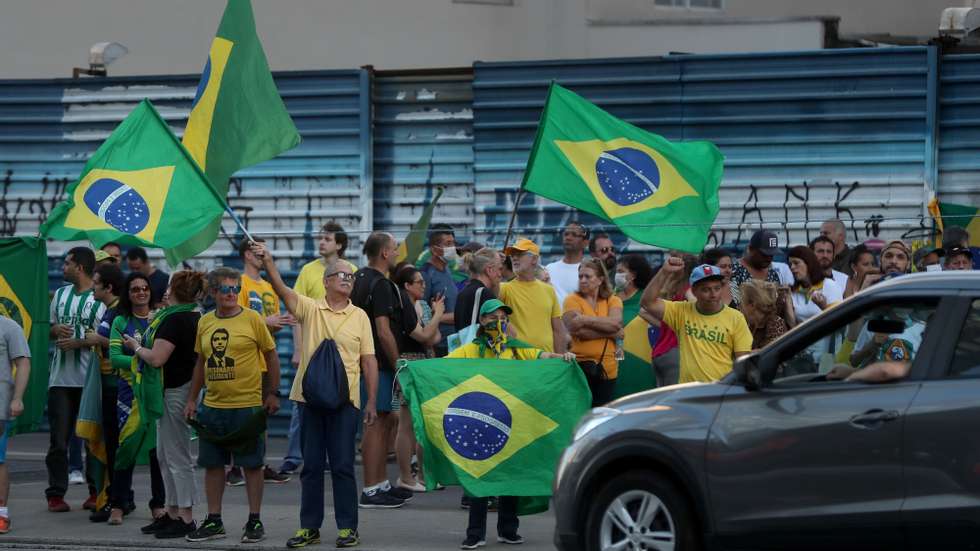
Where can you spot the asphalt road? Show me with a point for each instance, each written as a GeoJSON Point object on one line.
{"type": "Point", "coordinates": [430, 521]}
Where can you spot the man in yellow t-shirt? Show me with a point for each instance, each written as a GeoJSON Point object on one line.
{"type": "Point", "coordinates": [537, 314]}
{"type": "Point", "coordinates": [710, 334]}
{"type": "Point", "coordinates": [230, 345]}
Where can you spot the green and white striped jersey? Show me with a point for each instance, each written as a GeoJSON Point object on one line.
{"type": "Point", "coordinates": [81, 312]}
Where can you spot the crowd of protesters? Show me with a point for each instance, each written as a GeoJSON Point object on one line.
{"type": "Point", "coordinates": [351, 328]}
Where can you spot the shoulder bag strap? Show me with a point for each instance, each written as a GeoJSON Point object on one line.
{"type": "Point", "coordinates": [476, 305]}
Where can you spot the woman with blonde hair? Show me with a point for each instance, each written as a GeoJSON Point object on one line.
{"type": "Point", "coordinates": [594, 318]}
{"type": "Point", "coordinates": [759, 306]}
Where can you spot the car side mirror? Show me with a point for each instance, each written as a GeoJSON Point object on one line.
{"type": "Point", "coordinates": [748, 372]}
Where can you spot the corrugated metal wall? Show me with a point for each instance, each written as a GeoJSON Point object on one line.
{"type": "Point", "coordinates": [959, 129]}
{"type": "Point", "coordinates": [423, 139]}
{"type": "Point", "coordinates": [807, 135]}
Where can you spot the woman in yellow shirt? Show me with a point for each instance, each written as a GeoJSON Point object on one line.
{"type": "Point", "coordinates": [594, 317]}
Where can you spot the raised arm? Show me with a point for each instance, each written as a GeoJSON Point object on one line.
{"type": "Point", "coordinates": [288, 296]}
{"type": "Point", "coordinates": [651, 301]}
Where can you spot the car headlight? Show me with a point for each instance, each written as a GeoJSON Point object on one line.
{"type": "Point", "coordinates": [597, 417]}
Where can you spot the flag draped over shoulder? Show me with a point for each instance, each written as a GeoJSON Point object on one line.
{"type": "Point", "coordinates": [88, 427]}
{"type": "Point", "coordinates": [238, 118]}
{"type": "Point", "coordinates": [495, 427]}
{"type": "Point", "coordinates": [411, 248]}
{"type": "Point", "coordinates": [24, 299]}
{"type": "Point", "coordinates": [656, 191]}
{"type": "Point", "coordinates": [145, 405]}
{"type": "Point", "coordinates": [140, 187]}
{"type": "Point", "coordinates": [635, 372]}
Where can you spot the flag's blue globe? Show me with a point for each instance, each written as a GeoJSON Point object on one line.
{"type": "Point", "coordinates": [118, 205]}
{"type": "Point", "coordinates": [627, 175]}
{"type": "Point", "coordinates": [477, 425]}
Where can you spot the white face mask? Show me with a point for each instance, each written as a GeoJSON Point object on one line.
{"type": "Point", "coordinates": [449, 253]}
{"type": "Point", "coordinates": [620, 280]}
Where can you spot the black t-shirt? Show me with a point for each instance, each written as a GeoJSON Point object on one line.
{"type": "Point", "coordinates": [159, 280]}
{"type": "Point", "coordinates": [464, 302]}
{"type": "Point", "coordinates": [179, 329]}
{"type": "Point", "coordinates": [376, 294]}
{"type": "Point", "coordinates": [410, 319]}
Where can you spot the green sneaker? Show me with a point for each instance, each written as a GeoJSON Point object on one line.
{"type": "Point", "coordinates": [347, 537]}
{"type": "Point", "coordinates": [210, 529]}
{"type": "Point", "coordinates": [303, 537]}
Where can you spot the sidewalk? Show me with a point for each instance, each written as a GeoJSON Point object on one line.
{"type": "Point", "coordinates": [430, 521]}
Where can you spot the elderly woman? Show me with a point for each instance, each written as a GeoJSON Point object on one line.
{"type": "Point", "coordinates": [760, 311]}
{"type": "Point", "coordinates": [594, 318]}
{"type": "Point", "coordinates": [168, 345]}
{"type": "Point", "coordinates": [812, 292]}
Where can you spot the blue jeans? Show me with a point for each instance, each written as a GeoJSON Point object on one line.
{"type": "Point", "coordinates": [328, 435]}
{"type": "Point", "coordinates": [294, 452]}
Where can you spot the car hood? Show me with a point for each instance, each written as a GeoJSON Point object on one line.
{"type": "Point", "coordinates": [674, 394]}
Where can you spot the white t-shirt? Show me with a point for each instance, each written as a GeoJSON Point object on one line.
{"type": "Point", "coordinates": [785, 274]}
{"type": "Point", "coordinates": [840, 278]}
{"type": "Point", "coordinates": [564, 278]}
{"type": "Point", "coordinates": [81, 312]}
{"type": "Point", "coordinates": [806, 308]}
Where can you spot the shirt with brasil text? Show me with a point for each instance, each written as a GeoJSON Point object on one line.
{"type": "Point", "coordinates": [231, 348]}
{"type": "Point", "coordinates": [81, 312]}
{"type": "Point", "coordinates": [706, 341]}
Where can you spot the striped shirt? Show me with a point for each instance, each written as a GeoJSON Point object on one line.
{"type": "Point", "coordinates": [81, 312]}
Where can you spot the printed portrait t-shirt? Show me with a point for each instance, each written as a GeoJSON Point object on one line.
{"type": "Point", "coordinates": [258, 296]}
{"type": "Point", "coordinates": [706, 341]}
{"type": "Point", "coordinates": [232, 348]}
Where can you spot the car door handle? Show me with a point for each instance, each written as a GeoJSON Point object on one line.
{"type": "Point", "coordinates": [874, 418]}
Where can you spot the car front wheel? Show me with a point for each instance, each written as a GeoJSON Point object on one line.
{"type": "Point", "coordinates": [640, 511]}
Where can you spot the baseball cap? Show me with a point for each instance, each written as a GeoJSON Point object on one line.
{"type": "Point", "coordinates": [493, 305]}
{"type": "Point", "coordinates": [959, 250]}
{"type": "Point", "coordinates": [926, 251]}
{"type": "Point", "coordinates": [102, 255]}
{"type": "Point", "coordinates": [765, 242]}
{"type": "Point", "coordinates": [705, 272]}
{"type": "Point", "coordinates": [522, 246]}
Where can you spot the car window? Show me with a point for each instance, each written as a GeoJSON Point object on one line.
{"type": "Point", "coordinates": [888, 332]}
{"type": "Point", "coordinates": [966, 358]}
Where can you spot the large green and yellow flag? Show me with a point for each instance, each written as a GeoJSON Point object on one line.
{"type": "Point", "coordinates": [411, 248]}
{"type": "Point", "coordinates": [88, 427]}
{"type": "Point", "coordinates": [24, 299]}
{"type": "Point", "coordinates": [635, 371]}
{"type": "Point", "coordinates": [140, 187]}
{"type": "Point", "coordinates": [496, 427]}
{"type": "Point", "coordinates": [238, 118]}
{"type": "Point", "coordinates": [656, 191]}
{"type": "Point", "coordinates": [951, 214]}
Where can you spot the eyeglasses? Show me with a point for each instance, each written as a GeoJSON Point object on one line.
{"type": "Point", "coordinates": [229, 289]}
{"type": "Point", "coordinates": [139, 289]}
{"type": "Point", "coordinates": [606, 250]}
{"type": "Point", "coordinates": [344, 276]}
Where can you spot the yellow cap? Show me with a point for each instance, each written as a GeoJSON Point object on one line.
{"type": "Point", "coordinates": [523, 246]}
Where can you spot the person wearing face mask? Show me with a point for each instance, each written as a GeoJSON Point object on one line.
{"type": "Point", "coordinates": [537, 314]}
{"type": "Point", "coordinates": [492, 342]}
{"type": "Point", "coordinates": [438, 276]}
{"type": "Point", "coordinates": [755, 264]}
{"type": "Point", "coordinates": [633, 273]}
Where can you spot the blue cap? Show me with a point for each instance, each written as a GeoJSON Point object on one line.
{"type": "Point", "coordinates": [705, 271]}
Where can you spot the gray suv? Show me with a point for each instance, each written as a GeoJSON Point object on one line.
{"type": "Point", "coordinates": [779, 455]}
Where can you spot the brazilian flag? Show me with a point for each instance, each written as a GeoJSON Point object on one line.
{"type": "Point", "coordinates": [237, 119]}
{"type": "Point", "coordinates": [495, 427]}
{"type": "Point", "coordinates": [24, 299]}
{"type": "Point", "coordinates": [657, 192]}
{"type": "Point", "coordinates": [411, 248]}
{"type": "Point", "coordinates": [140, 187]}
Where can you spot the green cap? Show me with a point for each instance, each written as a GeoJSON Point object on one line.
{"type": "Point", "coordinates": [493, 305]}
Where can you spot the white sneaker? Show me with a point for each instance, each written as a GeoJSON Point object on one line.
{"type": "Point", "coordinates": [412, 487]}
{"type": "Point", "coordinates": [76, 477]}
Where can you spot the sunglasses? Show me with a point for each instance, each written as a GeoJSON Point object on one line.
{"type": "Point", "coordinates": [344, 276]}
{"type": "Point", "coordinates": [139, 289]}
{"type": "Point", "coordinates": [606, 250]}
{"type": "Point", "coordinates": [229, 289]}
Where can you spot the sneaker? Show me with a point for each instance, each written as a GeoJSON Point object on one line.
{"type": "Point", "coordinates": [57, 505]}
{"type": "Point", "coordinates": [288, 467]}
{"type": "Point", "coordinates": [347, 537]}
{"type": "Point", "coordinates": [210, 529]}
{"type": "Point", "coordinates": [102, 515]}
{"type": "Point", "coordinates": [379, 500]}
{"type": "Point", "coordinates": [303, 537]}
{"type": "Point", "coordinates": [158, 524]}
{"type": "Point", "coordinates": [235, 477]}
{"type": "Point", "coordinates": [175, 528]}
{"type": "Point", "coordinates": [272, 477]}
{"type": "Point", "coordinates": [254, 531]}
{"type": "Point", "coordinates": [400, 493]}
{"type": "Point", "coordinates": [4, 525]}
{"type": "Point", "coordinates": [512, 539]}
{"type": "Point", "coordinates": [76, 477]}
{"type": "Point", "coordinates": [472, 542]}
{"type": "Point", "coordinates": [89, 504]}
{"type": "Point", "coordinates": [417, 487]}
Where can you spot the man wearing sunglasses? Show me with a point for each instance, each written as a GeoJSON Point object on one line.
{"type": "Point", "coordinates": [602, 249]}
{"type": "Point", "coordinates": [330, 432]}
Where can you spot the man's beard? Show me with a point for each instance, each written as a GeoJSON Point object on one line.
{"type": "Point", "coordinates": [610, 264]}
{"type": "Point", "coordinates": [759, 263]}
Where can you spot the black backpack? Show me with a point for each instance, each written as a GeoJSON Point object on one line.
{"type": "Point", "coordinates": [325, 384]}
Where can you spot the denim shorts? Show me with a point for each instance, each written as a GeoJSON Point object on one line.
{"type": "Point", "coordinates": [5, 428]}
{"type": "Point", "coordinates": [225, 421]}
{"type": "Point", "coordinates": [386, 380]}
